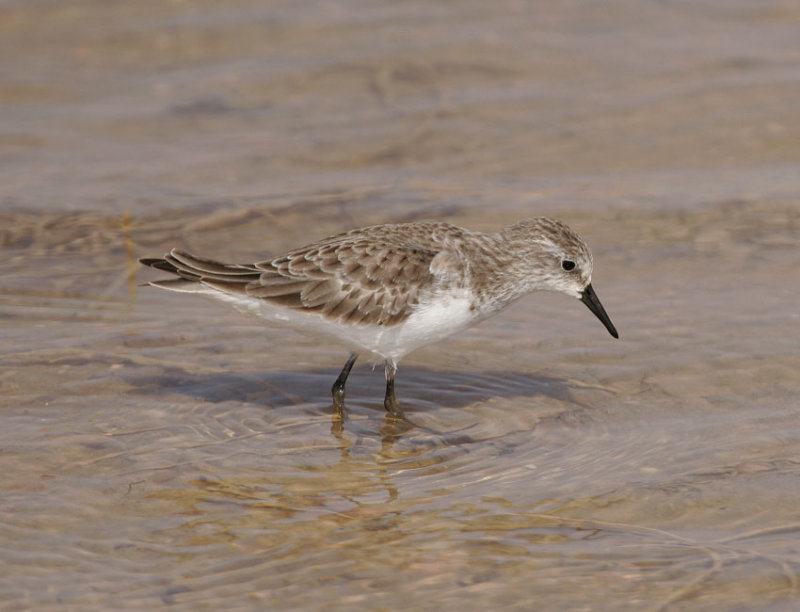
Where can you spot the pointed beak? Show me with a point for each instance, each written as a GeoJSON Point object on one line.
{"type": "Point", "coordinates": [589, 297]}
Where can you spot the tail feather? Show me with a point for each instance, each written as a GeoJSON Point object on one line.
{"type": "Point", "coordinates": [203, 266]}
{"type": "Point", "coordinates": [158, 264]}
{"type": "Point", "coordinates": [181, 284]}
{"type": "Point", "coordinates": [198, 274]}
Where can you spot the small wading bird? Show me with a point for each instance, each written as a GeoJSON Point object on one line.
{"type": "Point", "coordinates": [388, 289]}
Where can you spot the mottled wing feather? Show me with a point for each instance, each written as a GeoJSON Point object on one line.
{"type": "Point", "coordinates": [374, 275]}
{"type": "Point", "coordinates": [356, 281]}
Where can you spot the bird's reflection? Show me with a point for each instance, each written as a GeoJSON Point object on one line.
{"type": "Point", "coordinates": [392, 430]}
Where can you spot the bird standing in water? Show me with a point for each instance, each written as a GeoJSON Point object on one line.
{"type": "Point", "coordinates": [386, 290]}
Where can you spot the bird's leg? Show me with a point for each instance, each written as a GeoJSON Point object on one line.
{"type": "Point", "coordinates": [390, 401]}
{"type": "Point", "coordinates": [338, 387]}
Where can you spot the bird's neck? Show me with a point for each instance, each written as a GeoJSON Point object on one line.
{"type": "Point", "coordinates": [499, 271]}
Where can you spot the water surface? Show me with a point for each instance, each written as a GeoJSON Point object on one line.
{"type": "Point", "coordinates": [162, 451]}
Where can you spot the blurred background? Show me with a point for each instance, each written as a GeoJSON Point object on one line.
{"type": "Point", "coordinates": [159, 450]}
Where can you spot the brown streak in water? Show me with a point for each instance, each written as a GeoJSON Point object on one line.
{"type": "Point", "coordinates": [130, 259]}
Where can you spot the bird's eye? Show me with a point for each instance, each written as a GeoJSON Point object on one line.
{"type": "Point", "coordinates": [568, 265]}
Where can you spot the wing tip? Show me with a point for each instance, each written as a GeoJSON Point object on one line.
{"type": "Point", "coordinates": [158, 263]}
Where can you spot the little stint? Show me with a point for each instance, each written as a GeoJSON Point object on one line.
{"type": "Point", "coordinates": [386, 290]}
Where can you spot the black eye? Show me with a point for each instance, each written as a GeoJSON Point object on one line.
{"type": "Point", "coordinates": [568, 265]}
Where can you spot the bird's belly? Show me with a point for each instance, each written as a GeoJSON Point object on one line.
{"type": "Point", "coordinates": [429, 323]}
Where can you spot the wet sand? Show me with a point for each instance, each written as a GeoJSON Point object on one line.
{"type": "Point", "coordinates": [159, 450]}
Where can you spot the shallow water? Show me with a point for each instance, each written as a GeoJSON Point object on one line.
{"type": "Point", "coordinates": [159, 450]}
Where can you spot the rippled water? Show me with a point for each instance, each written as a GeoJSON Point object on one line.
{"type": "Point", "coordinates": [161, 451]}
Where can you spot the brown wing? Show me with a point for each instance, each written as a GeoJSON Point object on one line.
{"type": "Point", "coordinates": [350, 279]}
{"type": "Point", "coordinates": [354, 280]}
{"type": "Point", "coordinates": [192, 269]}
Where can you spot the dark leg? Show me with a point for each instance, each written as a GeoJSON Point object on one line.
{"type": "Point", "coordinates": [338, 387]}
{"type": "Point", "coordinates": [390, 401]}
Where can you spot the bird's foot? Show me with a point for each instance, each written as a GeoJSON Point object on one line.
{"type": "Point", "coordinates": [393, 409]}
{"type": "Point", "coordinates": [338, 401]}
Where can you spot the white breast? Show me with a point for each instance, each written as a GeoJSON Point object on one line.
{"type": "Point", "coordinates": [443, 316]}
{"type": "Point", "coordinates": [434, 320]}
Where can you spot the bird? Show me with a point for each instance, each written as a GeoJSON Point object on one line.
{"type": "Point", "coordinates": [386, 290]}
